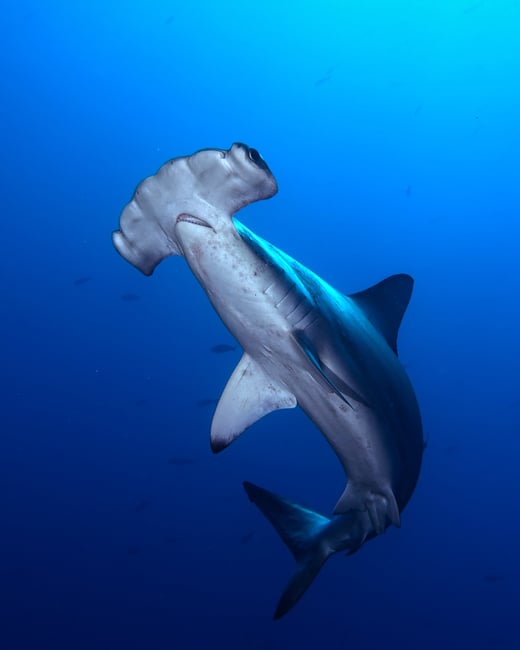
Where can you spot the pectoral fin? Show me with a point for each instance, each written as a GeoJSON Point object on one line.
{"type": "Point", "coordinates": [333, 382]}
{"type": "Point", "coordinates": [247, 397]}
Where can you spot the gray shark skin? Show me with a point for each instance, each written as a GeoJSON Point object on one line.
{"type": "Point", "coordinates": [304, 343]}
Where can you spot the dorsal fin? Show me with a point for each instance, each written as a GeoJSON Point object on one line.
{"type": "Point", "coordinates": [384, 305]}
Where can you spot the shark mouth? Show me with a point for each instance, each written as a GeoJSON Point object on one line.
{"type": "Point", "coordinates": [189, 218]}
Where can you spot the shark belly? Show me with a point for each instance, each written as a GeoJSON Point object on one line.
{"type": "Point", "coordinates": [256, 301]}
{"type": "Point", "coordinates": [368, 440]}
{"type": "Point", "coordinates": [263, 304]}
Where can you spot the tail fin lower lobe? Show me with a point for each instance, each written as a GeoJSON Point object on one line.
{"type": "Point", "coordinates": [300, 529]}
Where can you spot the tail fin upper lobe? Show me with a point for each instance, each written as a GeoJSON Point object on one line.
{"type": "Point", "coordinates": [300, 529]}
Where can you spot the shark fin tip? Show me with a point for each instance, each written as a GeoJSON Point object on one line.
{"type": "Point", "coordinates": [218, 444]}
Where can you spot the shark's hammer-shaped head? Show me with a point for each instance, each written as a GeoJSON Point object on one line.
{"type": "Point", "coordinates": [202, 190]}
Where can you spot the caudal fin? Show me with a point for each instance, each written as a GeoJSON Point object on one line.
{"type": "Point", "coordinates": [301, 530]}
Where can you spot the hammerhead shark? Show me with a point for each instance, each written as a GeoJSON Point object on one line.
{"type": "Point", "coordinates": [304, 343]}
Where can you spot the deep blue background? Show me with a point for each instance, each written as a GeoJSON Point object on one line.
{"type": "Point", "coordinates": [393, 131]}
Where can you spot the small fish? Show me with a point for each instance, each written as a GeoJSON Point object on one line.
{"type": "Point", "coordinates": [223, 347]}
{"type": "Point", "coordinates": [141, 506]}
{"type": "Point", "coordinates": [181, 461]}
{"type": "Point", "coordinates": [14, 572]}
{"type": "Point", "coordinates": [134, 550]}
{"type": "Point", "coordinates": [408, 190]}
{"type": "Point", "coordinates": [83, 280]}
{"type": "Point", "coordinates": [205, 402]}
{"type": "Point", "coordinates": [451, 449]}
{"type": "Point", "coordinates": [473, 7]}
{"type": "Point", "coordinates": [494, 577]}
{"type": "Point", "coordinates": [130, 297]}
{"type": "Point", "coordinates": [326, 77]}
{"type": "Point", "coordinates": [245, 539]}
{"type": "Point", "coordinates": [323, 80]}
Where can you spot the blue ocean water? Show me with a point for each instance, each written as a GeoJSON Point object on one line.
{"type": "Point", "coordinates": [392, 129]}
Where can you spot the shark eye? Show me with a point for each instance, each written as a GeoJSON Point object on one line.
{"type": "Point", "coordinates": [255, 157]}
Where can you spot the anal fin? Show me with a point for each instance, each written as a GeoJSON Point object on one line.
{"type": "Point", "coordinates": [381, 507]}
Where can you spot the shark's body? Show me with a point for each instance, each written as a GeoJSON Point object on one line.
{"type": "Point", "coordinates": [304, 343]}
